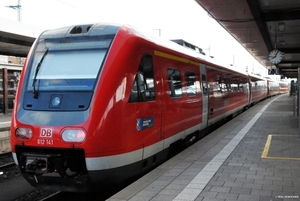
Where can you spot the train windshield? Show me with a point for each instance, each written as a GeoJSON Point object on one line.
{"type": "Point", "coordinates": [67, 64]}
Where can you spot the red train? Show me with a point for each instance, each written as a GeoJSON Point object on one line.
{"type": "Point", "coordinates": [98, 104]}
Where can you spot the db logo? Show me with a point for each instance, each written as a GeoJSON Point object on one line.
{"type": "Point", "coordinates": [46, 132]}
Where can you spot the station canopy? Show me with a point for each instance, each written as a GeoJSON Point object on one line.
{"type": "Point", "coordinates": [16, 37]}
{"type": "Point", "coordinates": [262, 26]}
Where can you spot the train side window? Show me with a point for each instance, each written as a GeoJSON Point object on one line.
{"type": "Point", "coordinates": [225, 85]}
{"type": "Point", "coordinates": [191, 83]}
{"type": "Point", "coordinates": [143, 88]}
{"type": "Point", "coordinates": [238, 85]}
{"type": "Point", "coordinates": [175, 83]}
{"type": "Point", "coordinates": [228, 85]}
{"type": "Point", "coordinates": [204, 85]}
{"type": "Point", "coordinates": [219, 82]}
{"type": "Point", "coordinates": [234, 84]}
{"type": "Point", "coordinates": [241, 86]}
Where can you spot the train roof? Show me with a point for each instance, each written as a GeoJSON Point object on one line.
{"type": "Point", "coordinates": [188, 45]}
{"type": "Point", "coordinates": [99, 29]}
{"type": "Point", "coordinates": [112, 29]}
{"type": "Point", "coordinates": [82, 30]}
{"type": "Point", "coordinates": [256, 77]}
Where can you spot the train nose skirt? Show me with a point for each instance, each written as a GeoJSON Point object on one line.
{"type": "Point", "coordinates": [40, 164]}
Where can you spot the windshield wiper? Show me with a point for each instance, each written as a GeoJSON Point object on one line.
{"type": "Point", "coordinates": [36, 91]}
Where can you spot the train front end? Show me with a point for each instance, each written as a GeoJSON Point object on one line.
{"type": "Point", "coordinates": [49, 131]}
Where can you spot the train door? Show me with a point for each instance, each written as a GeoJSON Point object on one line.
{"type": "Point", "coordinates": [204, 96]}
{"type": "Point", "coordinates": [145, 105]}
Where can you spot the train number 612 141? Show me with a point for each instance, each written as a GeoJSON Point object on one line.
{"type": "Point", "coordinates": [44, 142]}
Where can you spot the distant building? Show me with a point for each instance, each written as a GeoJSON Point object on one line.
{"type": "Point", "coordinates": [3, 59]}
{"type": "Point", "coordinates": [10, 70]}
{"type": "Point", "coordinates": [11, 60]}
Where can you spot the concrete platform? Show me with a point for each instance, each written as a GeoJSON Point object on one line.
{"type": "Point", "coordinates": [5, 121]}
{"type": "Point", "coordinates": [256, 156]}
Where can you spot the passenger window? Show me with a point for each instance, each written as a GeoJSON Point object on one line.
{"type": "Point", "coordinates": [229, 85]}
{"type": "Point", "coordinates": [219, 81]}
{"type": "Point", "coordinates": [204, 85]}
{"type": "Point", "coordinates": [190, 83]}
{"type": "Point", "coordinates": [241, 87]}
{"type": "Point", "coordinates": [234, 85]}
{"type": "Point", "coordinates": [175, 84]}
{"type": "Point", "coordinates": [143, 88]}
{"type": "Point", "coordinates": [225, 85]}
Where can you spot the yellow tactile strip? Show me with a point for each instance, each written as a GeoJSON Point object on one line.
{"type": "Point", "coordinates": [282, 147]}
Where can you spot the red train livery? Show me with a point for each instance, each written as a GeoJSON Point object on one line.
{"type": "Point", "coordinates": [101, 103]}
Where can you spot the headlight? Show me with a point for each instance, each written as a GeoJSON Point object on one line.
{"type": "Point", "coordinates": [73, 135]}
{"type": "Point", "coordinates": [23, 133]}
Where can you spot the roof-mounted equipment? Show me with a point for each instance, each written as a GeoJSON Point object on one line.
{"type": "Point", "coordinates": [188, 45]}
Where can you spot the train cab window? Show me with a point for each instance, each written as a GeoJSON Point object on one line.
{"type": "Point", "coordinates": [175, 83]}
{"type": "Point", "coordinates": [190, 83]}
{"type": "Point", "coordinates": [67, 65]}
{"type": "Point", "coordinates": [143, 88]}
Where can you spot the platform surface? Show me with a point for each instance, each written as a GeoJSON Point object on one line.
{"type": "Point", "coordinates": [5, 120]}
{"type": "Point", "coordinates": [255, 156]}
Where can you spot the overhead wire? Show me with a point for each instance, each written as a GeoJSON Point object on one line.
{"type": "Point", "coordinates": [68, 4]}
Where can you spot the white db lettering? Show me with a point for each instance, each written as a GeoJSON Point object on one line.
{"type": "Point", "coordinates": [46, 132]}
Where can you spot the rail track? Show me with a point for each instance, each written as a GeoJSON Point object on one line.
{"type": "Point", "coordinates": [6, 160]}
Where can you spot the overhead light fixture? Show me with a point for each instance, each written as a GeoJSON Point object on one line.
{"type": "Point", "coordinates": [281, 26]}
